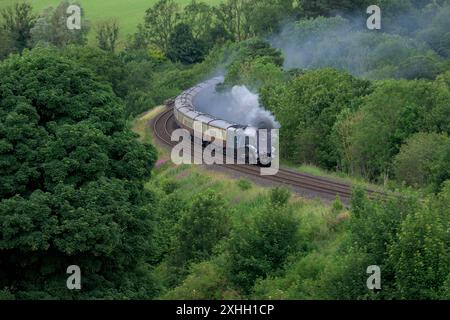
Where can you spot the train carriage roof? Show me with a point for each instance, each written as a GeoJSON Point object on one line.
{"type": "Point", "coordinates": [205, 118]}
{"type": "Point", "coordinates": [190, 113]}
{"type": "Point", "coordinates": [184, 109]}
{"type": "Point", "coordinates": [222, 124]}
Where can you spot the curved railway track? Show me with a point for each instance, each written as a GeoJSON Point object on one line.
{"type": "Point", "coordinates": [164, 124]}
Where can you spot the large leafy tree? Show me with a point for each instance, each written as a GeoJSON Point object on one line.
{"type": "Point", "coordinates": [314, 8]}
{"type": "Point", "coordinates": [51, 28]}
{"type": "Point", "coordinates": [437, 34]}
{"type": "Point", "coordinates": [199, 16]}
{"type": "Point", "coordinates": [71, 183]}
{"type": "Point", "coordinates": [246, 18]}
{"type": "Point", "coordinates": [391, 114]}
{"type": "Point", "coordinates": [421, 256]}
{"type": "Point", "coordinates": [160, 22]}
{"type": "Point", "coordinates": [183, 47]}
{"type": "Point", "coordinates": [6, 44]}
{"type": "Point", "coordinates": [259, 247]}
{"type": "Point", "coordinates": [419, 159]}
{"type": "Point", "coordinates": [307, 108]}
{"type": "Point", "coordinates": [107, 66]}
{"type": "Point", "coordinates": [200, 228]}
{"type": "Point", "coordinates": [107, 34]}
{"type": "Point", "coordinates": [254, 63]}
{"type": "Point", "coordinates": [18, 20]}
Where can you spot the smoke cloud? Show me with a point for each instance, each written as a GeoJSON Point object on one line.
{"type": "Point", "coordinates": [346, 44]}
{"type": "Point", "coordinates": [403, 49]}
{"type": "Point", "coordinates": [238, 105]}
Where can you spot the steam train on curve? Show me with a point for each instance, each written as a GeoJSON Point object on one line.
{"type": "Point", "coordinates": [247, 142]}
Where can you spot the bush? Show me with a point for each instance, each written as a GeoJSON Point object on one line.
{"type": "Point", "coordinates": [373, 135]}
{"type": "Point", "coordinates": [420, 156]}
{"type": "Point", "coordinates": [244, 184]}
{"type": "Point", "coordinates": [71, 182]}
{"type": "Point", "coordinates": [260, 247]}
{"type": "Point", "coordinates": [279, 196]}
{"type": "Point", "coordinates": [201, 228]}
{"type": "Point", "coordinates": [421, 255]}
{"type": "Point", "coordinates": [307, 108]}
{"type": "Point", "coordinates": [183, 47]}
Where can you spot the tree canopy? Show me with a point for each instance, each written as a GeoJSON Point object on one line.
{"type": "Point", "coordinates": [71, 180]}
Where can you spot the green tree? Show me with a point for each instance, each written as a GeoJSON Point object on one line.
{"type": "Point", "coordinates": [260, 246]}
{"type": "Point", "coordinates": [107, 66]}
{"type": "Point", "coordinates": [421, 256]}
{"type": "Point", "coordinates": [391, 114]}
{"type": "Point", "coordinates": [244, 19]}
{"type": "Point", "coordinates": [307, 108]}
{"type": "Point", "coordinates": [373, 226]}
{"type": "Point", "coordinates": [255, 74]}
{"type": "Point", "coordinates": [183, 47]}
{"type": "Point", "coordinates": [71, 183]}
{"type": "Point", "coordinates": [107, 34]}
{"type": "Point", "coordinates": [18, 20]}
{"type": "Point", "coordinates": [314, 8]}
{"type": "Point", "coordinates": [417, 161]}
{"type": "Point", "coordinates": [234, 15]}
{"type": "Point", "coordinates": [199, 17]}
{"type": "Point", "coordinates": [437, 34]}
{"type": "Point", "coordinates": [420, 67]}
{"type": "Point", "coordinates": [201, 228]}
{"type": "Point", "coordinates": [160, 22]}
{"type": "Point", "coordinates": [254, 63]}
{"type": "Point", "coordinates": [6, 44]}
{"type": "Point", "coordinates": [51, 28]}
{"type": "Point", "coordinates": [266, 16]}
{"type": "Point", "coordinates": [206, 281]}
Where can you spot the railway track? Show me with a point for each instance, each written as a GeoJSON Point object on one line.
{"type": "Point", "coordinates": [164, 124]}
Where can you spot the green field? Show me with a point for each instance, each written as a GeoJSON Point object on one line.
{"type": "Point", "coordinates": [129, 13]}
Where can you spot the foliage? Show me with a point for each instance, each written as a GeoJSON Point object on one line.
{"type": "Point", "coordinates": [71, 183]}
{"type": "Point", "coordinates": [72, 175]}
{"type": "Point", "coordinates": [336, 42]}
{"type": "Point", "coordinates": [6, 44]}
{"type": "Point", "coordinates": [244, 184]}
{"type": "Point", "coordinates": [422, 253]}
{"type": "Point", "coordinates": [254, 63]}
{"type": "Point", "coordinates": [105, 65]}
{"type": "Point", "coordinates": [51, 28]}
{"type": "Point", "coordinates": [183, 47]}
{"type": "Point", "coordinates": [419, 158]}
{"type": "Point", "coordinates": [405, 237]}
{"type": "Point", "coordinates": [391, 114]}
{"type": "Point", "coordinates": [17, 23]}
{"type": "Point", "coordinates": [307, 108]}
{"type": "Point", "coordinates": [248, 18]}
{"type": "Point", "coordinates": [311, 8]}
{"type": "Point", "coordinates": [279, 196]}
{"type": "Point", "coordinates": [160, 22]}
{"type": "Point", "coordinates": [107, 34]}
{"type": "Point", "coordinates": [201, 228]}
{"type": "Point", "coordinates": [206, 281]}
{"type": "Point", "coordinates": [437, 33]}
{"type": "Point", "coordinates": [255, 74]}
{"type": "Point", "coordinates": [259, 247]}
{"type": "Point", "coordinates": [199, 17]}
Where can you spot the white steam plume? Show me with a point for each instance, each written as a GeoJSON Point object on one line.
{"type": "Point", "coordinates": [238, 105]}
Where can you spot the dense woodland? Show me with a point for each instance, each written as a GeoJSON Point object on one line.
{"type": "Point", "coordinates": [77, 186]}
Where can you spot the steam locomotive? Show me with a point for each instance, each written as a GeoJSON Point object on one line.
{"type": "Point", "coordinates": [250, 145]}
